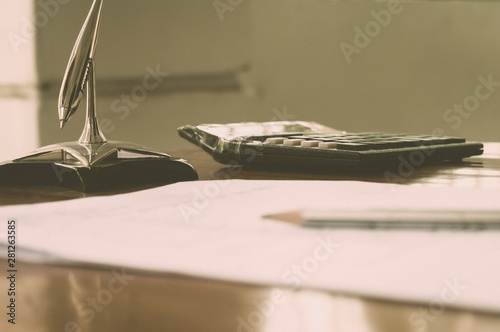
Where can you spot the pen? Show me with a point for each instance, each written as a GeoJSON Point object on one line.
{"type": "Point", "coordinates": [392, 218]}
{"type": "Point", "coordinates": [78, 67]}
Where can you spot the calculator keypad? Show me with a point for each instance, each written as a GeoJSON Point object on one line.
{"type": "Point", "coordinates": [361, 141]}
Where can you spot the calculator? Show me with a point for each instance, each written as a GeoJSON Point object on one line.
{"type": "Point", "coordinates": [311, 145]}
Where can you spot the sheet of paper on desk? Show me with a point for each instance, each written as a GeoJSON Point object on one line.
{"type": "Point", "coordinates": [215, 229]}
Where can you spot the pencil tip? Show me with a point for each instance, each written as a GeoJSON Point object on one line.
{"type": "Point", "coordinates": [293, 217]}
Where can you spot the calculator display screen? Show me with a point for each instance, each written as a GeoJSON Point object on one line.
{"type": "Point", "coordinates": [249, 129]}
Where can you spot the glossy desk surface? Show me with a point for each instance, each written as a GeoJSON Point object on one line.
{"type": "Point", "coordinates": [95, 298]}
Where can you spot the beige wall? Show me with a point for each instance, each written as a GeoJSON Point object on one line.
{"type": "Point", "coordinates": [179, 37]}
{"type": "Point", "coordinates": [426, 59]}
{"type": "Point", "coordinates": [18, 103]}
{"type": "Point", "coordinates": [182, 36]}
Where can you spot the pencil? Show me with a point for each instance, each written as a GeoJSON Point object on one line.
{"type": "Point", "coordinates": [392, 218]}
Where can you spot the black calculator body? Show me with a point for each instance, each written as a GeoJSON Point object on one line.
{"type": "Point", "coordinates": [311, 145]}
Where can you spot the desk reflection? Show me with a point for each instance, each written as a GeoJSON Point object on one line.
{"type": "Point", "coordinates": [71, 298]}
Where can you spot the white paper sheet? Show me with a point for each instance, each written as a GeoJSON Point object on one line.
{"type": "Point", "coordinates": [215, 229]}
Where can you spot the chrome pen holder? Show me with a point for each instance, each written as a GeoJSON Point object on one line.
{"type": "Point", "coordinates": [92, 163]}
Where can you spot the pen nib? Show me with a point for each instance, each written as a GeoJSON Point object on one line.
{"type": "Point", "coordinates": [64, 115]}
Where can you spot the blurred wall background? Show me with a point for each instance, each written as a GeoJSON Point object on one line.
{"type": "Point", "coordinates": [353, 65]}
{"type": "Point", "coordinates": [19, 106]}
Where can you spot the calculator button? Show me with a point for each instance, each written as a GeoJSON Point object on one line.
{"type": "Point", "coordinates": [326, 135]}
{"type": "Point", "coordinates": [275, 140]}
{"type": "Point", "coordinates": [361, 141]}
{"type": "Point", "coordinates": [379, 145]}
{"type": "Point", "coordinates": [293, 142]}
{"type": "Point", "coordinates": [327, 145]}
{"type": "Point", "coordinates": [310, 144]}
{"type": "Point", "coordinates": [344, 141]}
{"type": "Point", "coordinates": [324, 139]}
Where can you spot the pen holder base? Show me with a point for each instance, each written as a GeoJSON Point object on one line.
{"type": "Point", "coordinates": [96, 167]}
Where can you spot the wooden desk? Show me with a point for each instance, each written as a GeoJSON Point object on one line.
{"type": "Point", "coordinates": [479, 172]}
{"type": "Point", "coordinates": [61, 298]}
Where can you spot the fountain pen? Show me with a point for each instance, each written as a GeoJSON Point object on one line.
{"type": "Point", "coordinates": [79, 63]}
